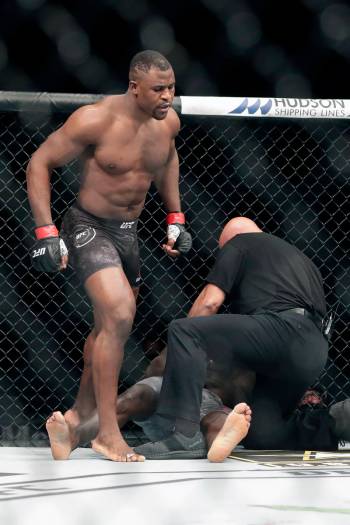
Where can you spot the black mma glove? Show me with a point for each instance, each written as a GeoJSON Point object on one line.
{"type": "Point", "coordinates": [48, 249]}
{"type": "Point", "coordinates": [177, 231]}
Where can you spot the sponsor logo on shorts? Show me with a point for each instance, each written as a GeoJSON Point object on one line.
{"type": "Point", "coordinates": [84, 237]}
{"type": "Point", "coordinates": [127, 225]}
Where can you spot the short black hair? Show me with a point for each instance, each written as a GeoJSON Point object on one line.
{"type": "Point", "coordinates": [145, 60]}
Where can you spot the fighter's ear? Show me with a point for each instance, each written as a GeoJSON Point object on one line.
{"type": "Point", "coordinates": [133, 86]}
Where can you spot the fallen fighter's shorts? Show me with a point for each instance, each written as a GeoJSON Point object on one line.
{"type": "Point", "coordinates": [210, 402]}
{"type": "Point", "coordinates": [94, 243]}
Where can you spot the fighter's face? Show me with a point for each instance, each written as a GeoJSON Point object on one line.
{"type": "Point", "coordinates": [155, 92]}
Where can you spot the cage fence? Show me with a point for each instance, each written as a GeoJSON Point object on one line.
{"type": "Point", "coordinates": [291, 176]}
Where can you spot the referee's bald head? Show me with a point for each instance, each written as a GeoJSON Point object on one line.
{"type": "Point", "coordinates": [236, 226]}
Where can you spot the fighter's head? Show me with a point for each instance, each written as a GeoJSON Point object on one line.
{"type": "Point", "coordinates": [236, 226]}
{"type": "Point", "coordinates": [152, 82]}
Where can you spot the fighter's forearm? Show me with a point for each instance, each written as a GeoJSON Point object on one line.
{"type": "Point", "coordinates": [171, 203]}
{"type": "Point", "coordinates": [39, 193]}
{"type": "Point", "coordinates": [168, 185]}
{"type": "Point", "coordinates": [170, 194]}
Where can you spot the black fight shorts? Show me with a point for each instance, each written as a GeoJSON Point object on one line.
{"type": "Point", "coordinates": [94, 243]}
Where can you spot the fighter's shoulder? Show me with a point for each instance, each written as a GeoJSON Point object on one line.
{"type": "Point", "coordinates": [91, 116]}
{"type": "Point", "coordinates": [173, 122]}
{"type": "Point", "coordinates": [95, 112]}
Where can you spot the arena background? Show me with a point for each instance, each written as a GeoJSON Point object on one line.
{"type": "Point", "coordinates": [293, 177]}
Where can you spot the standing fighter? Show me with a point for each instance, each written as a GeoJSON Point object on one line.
{"type": "Point", "coordinates": [124, 142]}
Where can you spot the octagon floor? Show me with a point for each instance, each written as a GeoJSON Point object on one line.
{"type": "Point", "coordinates": [250, 488]}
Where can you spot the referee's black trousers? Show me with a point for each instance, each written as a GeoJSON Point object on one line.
{"type": "Point", "coordinates": [286, 350]}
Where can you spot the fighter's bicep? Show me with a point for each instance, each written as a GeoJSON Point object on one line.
{"type": "Point", "coordinates": [59, 149]}
{"type": "Point", "coordinates": [82, 128]}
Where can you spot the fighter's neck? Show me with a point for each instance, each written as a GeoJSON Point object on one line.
{"type": "Point", "coordinates": [134, 110]}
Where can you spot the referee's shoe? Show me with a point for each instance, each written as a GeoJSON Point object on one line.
{"type": "Point", "coordinates": [175, 446]}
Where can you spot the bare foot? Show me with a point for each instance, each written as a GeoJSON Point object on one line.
{"type": "Point", "coordinates": [74, 425]}
{"type": "Point", "coordinates": [59, 436]}
{"type": "Point", "coordinates": [234, 430]}
{"type": "Point", "coordinates": [115, 449]}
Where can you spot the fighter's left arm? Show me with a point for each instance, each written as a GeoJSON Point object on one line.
{"type": "Point", "coordinates": [167, 184]}
{"type": "Point", "coordinates": [167, 181]}
{"type": "Point", "coordinates": [208, 301]}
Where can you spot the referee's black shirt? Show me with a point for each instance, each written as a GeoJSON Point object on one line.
{"type": "Point", "coordinates": [260, 273]}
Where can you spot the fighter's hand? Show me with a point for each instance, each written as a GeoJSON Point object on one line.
{"type": "Point", "coordinates": [179, 240]}
{"type": "Point", "coordinates": [169, 248]}
{"type": "Point", "coordinates": [50, 253]}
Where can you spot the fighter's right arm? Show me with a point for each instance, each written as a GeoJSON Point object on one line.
{"type": "Point", "coordinates": [62, 146]}
{"type": "Point", "coordinates": [207, 303]}
{"type": "Point", "coordinates": [157, 365]}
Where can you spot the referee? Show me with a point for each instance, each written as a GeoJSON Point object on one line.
{"type": "Point", "coordinates": [276, 299]}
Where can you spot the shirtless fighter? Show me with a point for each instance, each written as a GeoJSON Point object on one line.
{"type": "Point", "coordinates": [124, 142]}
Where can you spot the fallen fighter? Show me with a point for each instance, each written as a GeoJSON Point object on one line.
{"type": "Point", "coordinates": [138, 403]}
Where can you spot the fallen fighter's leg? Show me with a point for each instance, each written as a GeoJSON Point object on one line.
{"type": "Point", "coordinates": [224, 431]}
{"type": "Point", "coordinates": [150, 425]}
{"type": "Point", "coordinates": [66, 432]}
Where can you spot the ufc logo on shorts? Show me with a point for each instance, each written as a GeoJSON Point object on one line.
{"type": "Point", "coordinates": [126, 225]}
{"type": "Point", "coordinates": [37, 253]}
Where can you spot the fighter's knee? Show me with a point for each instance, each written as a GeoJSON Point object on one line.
{"type": "Point", "coordinates": [137, 399]}
{"type": "Point", "coordinates": [118, 320]}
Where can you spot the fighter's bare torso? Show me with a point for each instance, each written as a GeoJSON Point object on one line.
{"type": "Point", "coordinates": [126, 156]}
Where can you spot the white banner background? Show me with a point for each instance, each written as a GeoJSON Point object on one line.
{"type": "Point", "coordinates": [266, 107]}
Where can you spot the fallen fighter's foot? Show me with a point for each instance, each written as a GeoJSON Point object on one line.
{"type": "Point", "coordinates": [59, 436]}
{"type": "Point", "coordinates": [115, 449]}
{"type": "Point", "coordinates": [175, 446]}
{"type": "Point", "coordinates": [74, 423]}
{"type": "Point", "coordinates": [234, 430]}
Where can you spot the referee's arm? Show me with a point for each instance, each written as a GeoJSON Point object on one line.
{"type": "Point", "coordinates": [208, 301]}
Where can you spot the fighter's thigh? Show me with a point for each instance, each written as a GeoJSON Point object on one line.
{"type": "Point", "coordinates": [140, 400]}
{"type": "Point", "coordinates": [110, 293]}
{"type": "Point", "coordinates": [90, 248]}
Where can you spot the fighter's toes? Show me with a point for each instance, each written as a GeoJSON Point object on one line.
{"type": "Point", "coordinates": [134, 458]}
{"type": "Point", "coordinates": [116, 452]}
{"type": "Point", "coordinates": [242, 408]}
{"type": "Point", "coordinates": [56, 417]}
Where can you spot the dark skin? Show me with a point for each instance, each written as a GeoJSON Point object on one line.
{"type": "Point", "coordinates": [124, 142]}
{"type": "Point", "coordinates": [140, 401]}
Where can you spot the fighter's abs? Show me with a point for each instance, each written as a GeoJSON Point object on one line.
{"type": "Point", "coordinates": [119, 196]}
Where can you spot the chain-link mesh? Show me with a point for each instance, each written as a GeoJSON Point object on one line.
{"type": "Point", "coordinates": [292, 178]}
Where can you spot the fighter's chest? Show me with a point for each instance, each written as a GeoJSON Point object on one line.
{"type": "Point", "coordinates": [127, 152]}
